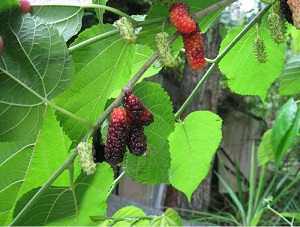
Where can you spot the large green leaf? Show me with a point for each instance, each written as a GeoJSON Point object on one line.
{"type": "Point", "coordinates": [35, 66]}
{"type": "Point", "coordinates": [29, 165]}
{"type": "Point", "coordinates": [285, 129]}
{"type": "Point", "coordinates": [153, 168]}
{"type": "Point", "coordinates": [69, 206]}
{"type": "Point", "coordinates": [67, 18]}
{"type": "Point", "coordinates": [246, 76]}
{"type": "Point", "coordinates": [192, 146]}
{"type": "Point", "coordinates": [101, 69]}
{"type": "Point", "coordinates": [290, 77]}
{"type": "Point", "coordinates": [6, 5]}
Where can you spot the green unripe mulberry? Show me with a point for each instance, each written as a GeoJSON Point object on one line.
{"type": "Point", "coordinates": [164, 49]}
{"type": "Point", "coordinates": [126, 30]}
{"type": "Point", "coordinates": [277, 27]}
{"type": "Point", "coordinates": [259, 50]}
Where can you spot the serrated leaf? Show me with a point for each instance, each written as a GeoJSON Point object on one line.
{"type": "Point", "coordinates": [101, 69]}
{"type": "Point", "coordinates": [153, 168]}
{"type": "Point", "coordinates": [265, 149]}
{"type": "Point", "coordinates": [62, 206]}
{"type": "Point", "coordinates": [67, 18]}
{"type": "Point", "coordinates": [35, 66]}
{"type": "Point", "coordinates": [29, 164]}
{"type": "Point", "coordinates": [192, 146]}
{"type": "Point", "coordinates": [285, 129]}
{"type": "Point", "coordinates": [246, 76]}
{"type": "Point", "coordinates": [169, 218]}
{"type": "Point", "coordinates": [289, 79]}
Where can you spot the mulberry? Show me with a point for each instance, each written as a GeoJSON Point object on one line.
{"type": "Point", "coordinates": [137, 142]}
{"type": "Point", "coordinates": [181, 19]}
{"type": "Point", "coordinates": [164, 49]}
{"type": "Point", "coordinates": [126, 30]}
{"type": "Point", "coordinates": [259, 49]}
{"type": "Point", "coordinates": [277, 27]}
{"type": "Point", "coordinates": [118, 133]}
{"type": "Point", "coordinates": [193, 45]}
{"type": "Point", "coordinates": [136, 110]}
{"type": "Point", "coordinates": [85, 154]}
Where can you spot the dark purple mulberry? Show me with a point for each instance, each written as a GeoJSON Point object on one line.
{"type": "Point", "coordinates": [136, 110]}
{"type": "Point", "coordinates": [137, 142]}
{"type": "Point", "coordinates": [118, 133]}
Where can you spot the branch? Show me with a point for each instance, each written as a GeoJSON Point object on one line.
{"type": "Point", "coordinates": [104, 115]}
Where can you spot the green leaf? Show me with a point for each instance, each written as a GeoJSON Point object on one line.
{"type": "Point", "coordinates": [35, 66]}
{"type": "Point", "coordinates": [291, 215]}
{"type": "Point", "coordinates": [143, 53]}
{"type": "Point", "coordinates": [6, 5]}
{"type": "Point", "coordinates": [192, 146]}
{"type": "Point", "coordinates": [265, 149]}
{"type": "Point", "coordinates": [169, 218]}
{"type": "Point", "coordinates": [29, 164]}
{"type": "Point", "coordinates": [131, 211]}
{"type": "Point", "coordinates": [285, 129]}
{"type": "Point", "coordinates": [101, 69]}
{"type": "Point", "coordinates": [65, 206]}
{"type": "Point", "coordinates": [289, 79]}
{"type": "Point", "coordinates": [66, 18]}
{"type": "Point", "coordinates": [153, 168]}
{"type": "Point", "coordinates": [100, 12]}
{"type": "Point", "coordinates": [246, 76]}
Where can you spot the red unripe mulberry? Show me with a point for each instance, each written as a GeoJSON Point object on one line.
{"type": "Point", "coordinates": [193, 45]}
{"type": "Point", "coordinates": [181, 19]}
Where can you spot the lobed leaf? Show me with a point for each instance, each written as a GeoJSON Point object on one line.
{"type": "Point", "coordinates": [35, 66]}
{"type": "Point", "coordinates": [153, 168]}
{"type": "Point", "coordinates": [192, 146]}
{"type": "Point", "coordinates": [246, 76]}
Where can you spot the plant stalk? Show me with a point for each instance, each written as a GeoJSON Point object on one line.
{"type": "Point", "coordinates": [219, 58]}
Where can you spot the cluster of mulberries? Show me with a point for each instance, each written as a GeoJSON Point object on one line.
{"type": "Point", "coordinates": [182, 20]}
{"type": "Point", "coordinates": [126, 129]}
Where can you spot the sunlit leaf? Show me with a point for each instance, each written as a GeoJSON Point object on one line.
{"type": "Point", "coordinates": [169, 218]}
{"type": "Point", "coordinates": [35, 66]}
{"type": "Point", "coordinates": [192, 146]}
{"type": "Point", "coordinates": [153, 168]}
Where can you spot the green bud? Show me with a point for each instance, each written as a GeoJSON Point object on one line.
{"type": "Point", "coordinates": [259, 50]}
{"type": "Point", "coordinates": [165, 54]}
{"type": "Point", "coordinates": [85, 154]}
{"type": "Point", "coordinates": [126, 30]}
{"type": "Point", "coordinates": [277, 27]}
